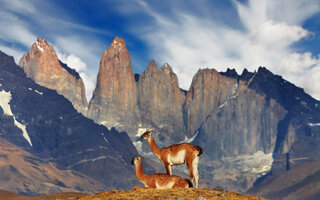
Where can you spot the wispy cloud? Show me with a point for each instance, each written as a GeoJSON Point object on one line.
{"type": "Point", "coordinates": [23, 21]}
{"type": "Point", "coordinates": [269, 29]}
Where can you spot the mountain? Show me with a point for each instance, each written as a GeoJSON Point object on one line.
{"type": "Point", "coordinates": [46, 125]}
{"type": "Point", "coordinates": [27, 174]}
{"type": "Point", "coordinates": [43, 66]}
{"type": "Point", "coordinates": [251, 133]}
{"type": "Point", "coordinates": [300, 182]}
{"type": "Point", "coordinates": [114, 100]}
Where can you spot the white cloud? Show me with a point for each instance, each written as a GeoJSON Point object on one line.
{"type": "Point", "coordinates": [73, 61]}
{"type": "Point", "coordinates": [19, 6]}
{"type": "Point", "coordinates": [89, 81]}
{"type": "Point", "coordinates": [23, 21]}
{"type": "Point", "coordinates": [80, 66]}
{"type": "Point", "coordinates": [187, 41]}
{"type": "Point", "coordinates": [14, 30]}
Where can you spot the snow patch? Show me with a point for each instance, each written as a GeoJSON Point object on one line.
{"type": "Point", "coordinates": [258, 163]}
{"type": "Point", "coordinates": [41, 93]}
{"type": "Point", "coordinates": [141, 131]}
{"type": "Point", "coordinates": [138, 145]}
{"type": "Point", "coordinates": [38, 46]}
{"type": "Point", "coordinates": [189, 140]}
{"type": "Point", "coordinates": [89, 160]}
{"type": "Point", "coordinates": [5, 98]}
{"type": "Point", "coordinates": [225, 103]}
{"type": "Point", "coordinates": [314, 124]}
{"type": "Point", "coordinates": [105, 139]}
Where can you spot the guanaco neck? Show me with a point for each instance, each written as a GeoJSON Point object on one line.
{"type": "Point", "coordinates": [153, 146]}
{"type": "Point", "coordinates": [139, 172]}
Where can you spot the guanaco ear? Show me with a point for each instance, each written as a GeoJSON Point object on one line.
{"type": "Point", "coordinates": [132, 161]}
{"type": "Point", "coordinates": [151, 131]}
{"type": "Point", "coordinates": [142, 158]}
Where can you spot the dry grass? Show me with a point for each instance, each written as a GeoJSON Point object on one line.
{"type": "Point", "coordinates": [5, 195]}
{"type": "Point", "coordinates": [168, 194]}
{"type": "Point", "coordinates": [140, 194]}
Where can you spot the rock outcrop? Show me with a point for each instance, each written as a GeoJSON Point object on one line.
{"type": "Point", "coordinates": [43, 66]}
{"type": "Point", "coordinates": [114, 101]}
{"type": "Point", "coordinates": [160, 102]}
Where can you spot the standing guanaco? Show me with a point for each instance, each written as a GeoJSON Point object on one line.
{"type": "Point", "coordinates": [176, 154]}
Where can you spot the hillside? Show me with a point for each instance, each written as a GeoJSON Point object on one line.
{"type": "Point", "coordinates": [300, 182]}
{"type": "Point", "coordinates": [142, 194]}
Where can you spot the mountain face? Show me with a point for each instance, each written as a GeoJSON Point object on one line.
{"type": "Point", "coordinates": [114, 100]}
{"type": "Point", "coordinates": [265, 114]}
{"type": "Point", "coordinates": [27, 174]}
{"type": "Point", "coordinates": [46, 125]}
{"type": "Point", "coordinates": [43, 66]}
{"type": "Point", "coordinates": [240, 121]}
{"type": "Point", "coordinates": [300, 182]}
{"type": "Point", "coordinates": [160, 101]}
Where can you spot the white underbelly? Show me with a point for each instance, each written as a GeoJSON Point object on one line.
{"type": "Point", "coordinates": [178, 159]}
{"type": "Point", "coordinates": [166, 186]}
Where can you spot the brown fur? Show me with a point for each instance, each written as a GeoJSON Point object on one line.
{"type": "Point", "coordinates": [166, 154]}
{"type": "Point", "coordinates": [158, 180]}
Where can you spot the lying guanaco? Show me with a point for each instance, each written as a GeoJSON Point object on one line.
{"type": "Point", "coordinates": [159, 181]}
{"type": "Point", "coordinates": [176, 154]}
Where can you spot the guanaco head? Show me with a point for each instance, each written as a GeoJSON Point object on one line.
{"type": "Point", "coordinates": [147, 135]}
{"type": "Point", "coordinates": [136, 159]}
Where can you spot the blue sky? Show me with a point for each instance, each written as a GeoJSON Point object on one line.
{"type": "Point", "coordinates": [282, 35]}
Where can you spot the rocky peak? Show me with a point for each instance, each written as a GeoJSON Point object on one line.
{"type": "Point", "coordinates": [166, 68]}
{"type": "Point", "coordinates": [230, 73]}
{"type": "Point", "coordinates": [7, 64]}
{"type": "Point", "coordinates": [160, 101]}
{"type": "Point", "coordinates": [42, 45]}
{"type": "Point", "coordinates": [118, 43]}
{"type": "Point", "coordinates": [43, 66]}
{"type": "Point", "coordinates": [152, 67]}
{"type": "Point", "coordinates": [115, 98]}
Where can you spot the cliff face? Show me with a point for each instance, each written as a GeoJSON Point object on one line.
{"type": "Point", "coordinates": [244, 123]}
{"type": "Point", "coordinates": [160, 101]}
{"type": "Point", "coordinates": [114, 100]}
{"type": "Point", "coordinates": [258, 126]}
{"type": "Point", "coordinates": [208, 90]}
{"type": "Point", "coordinates": [43, 66]}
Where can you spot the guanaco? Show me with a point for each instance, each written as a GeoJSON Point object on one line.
{"type": "Point", "coordinates": [159, 181]}
{"type": "Point", "coordinates": [176, 154]}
